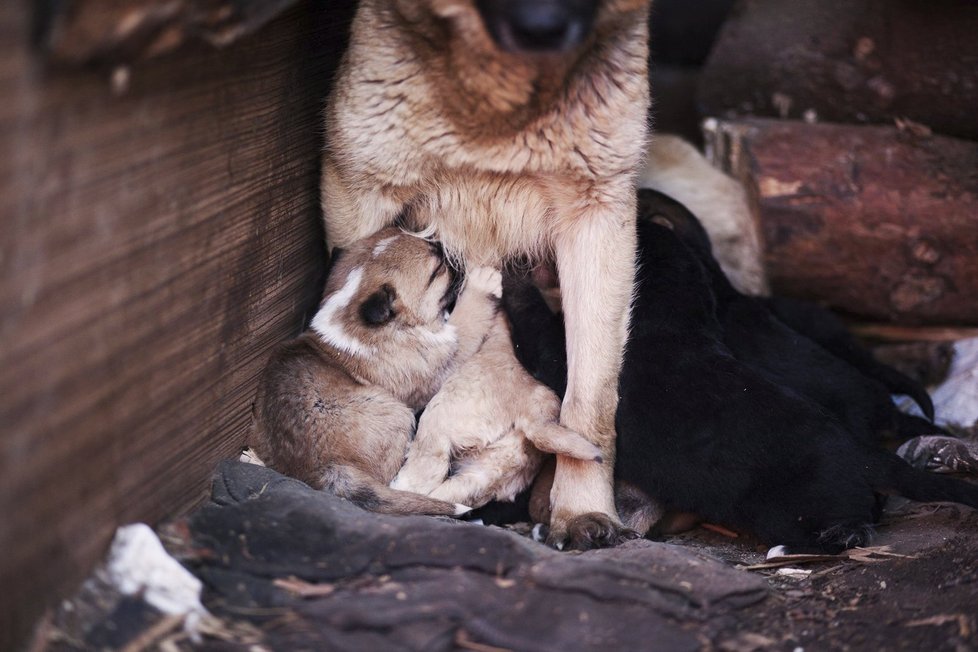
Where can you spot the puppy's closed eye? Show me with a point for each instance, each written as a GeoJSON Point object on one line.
{"type": "Point", "coordinates": [378, 309]}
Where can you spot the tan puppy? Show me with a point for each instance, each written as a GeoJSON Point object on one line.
{"type": "Point", "coordinates": [335, 407]}
{"type": "Point", "coordinates": [489, 423]}
{"type": "Point", "coordinates": [512, 128]}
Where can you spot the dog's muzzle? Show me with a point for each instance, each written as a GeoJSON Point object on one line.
{"type": "Point", "coordinates": [538, 25]}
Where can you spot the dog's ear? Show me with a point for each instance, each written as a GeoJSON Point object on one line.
{"type": "Point", "coordinates": [378, 309]}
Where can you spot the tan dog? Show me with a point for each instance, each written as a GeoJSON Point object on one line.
{"type": "Point", "coordinates": [335, 407]}
{"type": "Point", "coordinates": [490, 423]}
{"type": "Point", "coordinates": [512, 128]}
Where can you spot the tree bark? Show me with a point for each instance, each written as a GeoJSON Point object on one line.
{"type": "Point", "coordinates": [851, 61]}
{"type": "Point", "coordinates": [874, 221]}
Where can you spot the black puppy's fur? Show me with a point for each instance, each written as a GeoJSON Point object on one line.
{"type": "Point", "coordinates": [828, 331]}
{"type": "Point", "coordinates": [846, 385]}
{"type": "Point", "coordinates": [702, 432]}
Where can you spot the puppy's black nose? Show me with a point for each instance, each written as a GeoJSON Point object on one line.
{"type": "Point", "coordinates": [538, 25]}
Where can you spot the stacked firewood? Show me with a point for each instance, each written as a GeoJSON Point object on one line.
{"type": "Point", "coordinates": [853, 124]}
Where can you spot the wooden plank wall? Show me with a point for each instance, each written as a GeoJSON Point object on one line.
{"type": "Point", "coordinates": [157, 236]}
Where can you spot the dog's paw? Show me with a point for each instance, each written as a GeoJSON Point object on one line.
{"type": "Point", "coordinates": [589, 531]}
{"type": "Point", "coordinates": [487, 280]}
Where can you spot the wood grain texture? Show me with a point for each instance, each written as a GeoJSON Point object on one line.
{"type": "Point", "coordinates": [154, 245]}
{"type": "Point", "coordinates": [123, 31]}
{"type": "Point", "coordinates": [876, 222]}
{"type": "Point", "coordinates": [853, 61]}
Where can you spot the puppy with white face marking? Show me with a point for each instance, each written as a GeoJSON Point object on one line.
{"type": "Point", "coordinates": [335, 407]}
{"type": "Point", "coordinates": [513, 128]}
{"type": "Point", "coordinates": [491, 423]}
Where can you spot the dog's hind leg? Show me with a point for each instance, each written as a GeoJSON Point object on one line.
{"type": "Point", "coordinates": [428, 460]}
{"type": "Point", "coordinates": [498, 472]}
{"type": "Point", "coordinates": [603, 234]}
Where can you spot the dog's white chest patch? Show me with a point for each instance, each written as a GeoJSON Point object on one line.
{"type": "Point", "coordinates": [327, 325]}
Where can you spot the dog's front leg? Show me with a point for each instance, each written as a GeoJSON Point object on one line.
{"type": "Point", "coordinates": [595, 251]}
{"type": "Point", "coordinates": [476, 310]}
{"type": "Point", "coordinates": [354, 211]}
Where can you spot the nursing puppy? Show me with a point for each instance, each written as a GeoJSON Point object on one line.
{"type": "Point", "coordinates": [335, 407]}
{"type": "Point", "coordinates": [490, 425]}
{"type": "Point", "coordinates": [701, 432]}
{"type": "Point", "coordinates": [677, 169]}
{"type": "Point", "coordinates": [513, 129]}
{"type": "Point", "coordinates": [758, 337]}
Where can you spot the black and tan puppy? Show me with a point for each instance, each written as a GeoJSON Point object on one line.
{"type": "Point", "coordinates": [336, 407]}
{"type": "Point", "coordinates": [512, 128]}
{"type": "Point", "coordinates": [701, 432]}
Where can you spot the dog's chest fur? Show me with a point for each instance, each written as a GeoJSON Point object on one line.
{"type": "Point", "coordinates": [488, 188]}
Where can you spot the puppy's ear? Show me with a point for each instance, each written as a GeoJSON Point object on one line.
{"type": "Point", "coordinates": [334, 257]}
{"type": "Point", "coordinates": [662, 220]}
{"type": "Point", "coordinates": [378, 309]}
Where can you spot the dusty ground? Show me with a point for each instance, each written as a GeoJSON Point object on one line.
{"type": "Point", "coordinates": [915, 589]}
{"type": "Point", "coordinates": [286, 568]}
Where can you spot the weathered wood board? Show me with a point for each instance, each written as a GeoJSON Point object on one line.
{"type": "Point", "coordinates": [159, 232]}
{"type": "Point", "coordinates": [874, 221]}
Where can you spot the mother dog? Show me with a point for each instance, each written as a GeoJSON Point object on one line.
{"type": "Point", "coordinates": [511, 129]}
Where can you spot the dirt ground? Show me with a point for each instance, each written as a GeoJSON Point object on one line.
{"type": "Point", "coordinates": [915, 589]}
{"type": "Point", "coordinates": [288, 568]}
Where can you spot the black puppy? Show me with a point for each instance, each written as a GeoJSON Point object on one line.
{"type": "Point", "coordinates": [701, 432]}
{"type": "Point", "coordinates": [828, 331]}
{"type": "Point", "coordinates": [832, 369]}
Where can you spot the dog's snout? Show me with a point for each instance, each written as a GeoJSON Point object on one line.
{"type": "Point", "coordinates": [538, 25]}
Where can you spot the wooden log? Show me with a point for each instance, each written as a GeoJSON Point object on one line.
{"type": "Point", "coordinates": [874, 221]}
{"type": "Point", "coordinates": [123, 31]}
{"type": "Point", "coordinates": [156, 240]}
{"type": "Point", "coordinates": [848, 61]}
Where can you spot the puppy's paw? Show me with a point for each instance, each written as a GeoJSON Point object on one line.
{"type": "Point", "coordinates": [540, 532]}
{"type": "Point", "coordinates": [552, 438]}
{"type": "Point", "coordinates": [589, 531]}
{"type": "Point", "coordinates": [249, 456]}
{"type": "Point", "coordinates": [485, 279]}
{"type": "Point", "coordinates": [418, 483]}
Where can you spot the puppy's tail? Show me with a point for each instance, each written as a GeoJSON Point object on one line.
{"type": "Point", "coordinates": [364, 491]}
{"type": "Point", "coordinates": [899, 383]}
{"type": "Point", "coordinates": [900, 478]}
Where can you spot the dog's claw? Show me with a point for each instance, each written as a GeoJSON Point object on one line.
{"type": "Point", "coordinates": [590, 531]}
